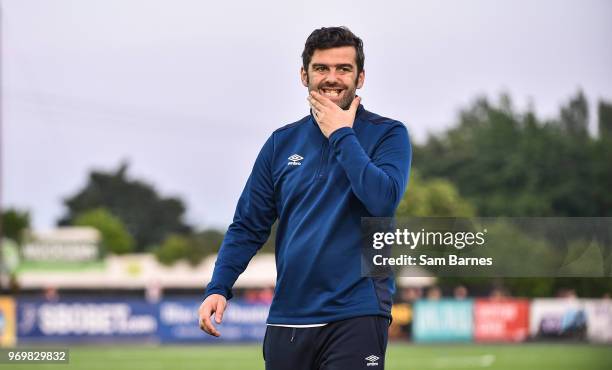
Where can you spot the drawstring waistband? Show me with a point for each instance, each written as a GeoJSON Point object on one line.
{"type": "Point", "coordinates": [293, 334]}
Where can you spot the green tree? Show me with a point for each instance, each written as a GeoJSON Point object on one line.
{"type": "Point", "coordinates": [508, 163]}
{"type": "Point", "coordinates": [14, 223]}
{"type": "Point", "coordinates": [575, 116]}
{"type": "Point", "coordinates": [512, 245]}
{"type": "Point", "coordinates": [605, 119]}
{"type": "Point", "coordinates": [202, 244]}
{"type": "Point", "coordinates": [148, 217]}
{"type": "Point", "coordinates": [192, 248]}
{"type": "Point", "coordinates": [602, 163]}
{"type": "Point", "coordinates": [431, 198]}
{"type": "Point", "coordinates": [174, 248]}
{"type": "Point", "coordinates": [115, 237]}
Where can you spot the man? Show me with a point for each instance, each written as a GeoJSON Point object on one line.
{"type": "Point", "coordinates": [319, 176]}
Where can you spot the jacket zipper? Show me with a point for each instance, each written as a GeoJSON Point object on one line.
{"type": "Point", "coordinates": [323, 163]}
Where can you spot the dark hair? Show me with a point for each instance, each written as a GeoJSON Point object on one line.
{"type": "Point", "coordinates": [332, 37]}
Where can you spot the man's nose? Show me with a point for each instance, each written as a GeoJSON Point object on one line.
{"type": "Point", "coordinates": [331, 76]}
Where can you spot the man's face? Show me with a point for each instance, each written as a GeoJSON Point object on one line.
{"type": "Point", "coordinates": [333, 73]}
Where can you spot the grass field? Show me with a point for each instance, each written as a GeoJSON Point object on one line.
{"type": "Point", "coordinates": [399, 357]}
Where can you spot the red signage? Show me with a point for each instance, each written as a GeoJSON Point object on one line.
{"type": "Point", "coordinates": [501, 320]}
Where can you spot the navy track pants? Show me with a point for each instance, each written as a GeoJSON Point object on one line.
{"type": "Point", "coordinates": [355, 343]}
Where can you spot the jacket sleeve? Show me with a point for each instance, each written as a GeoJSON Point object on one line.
{"type": "Point", "coordinates": [254, 216]}
{"type": "Point", "coordinates": [379, 182]}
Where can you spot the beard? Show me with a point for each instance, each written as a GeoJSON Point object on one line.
{"type": "Point", "coordinates": [348, 92]}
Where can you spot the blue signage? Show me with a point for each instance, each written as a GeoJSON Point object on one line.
{"type": "Point", "coordinates": [171, 321]}
{"type": "Point", "coordinates": [443, 321]}
{"type": "Point", "coordinates": [242, 321]}
{"type": "Point", "coordinates": [94, 320]}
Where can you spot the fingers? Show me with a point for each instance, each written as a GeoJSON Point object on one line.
{"type": "Point", "coordinates": [205, 322]}
{"type": "Point", "coordinates": [316, 108]}
{"type": "Point", "coordinates": [219, 311]}
{"type": "Point", "coordinates": [315, 104]}
{"type": "Point", "coordinates": [208, 327]}
{"type": "Point", "coordinates": [321, 99]}
{"type": "Point", "coordinates": [316, 116]}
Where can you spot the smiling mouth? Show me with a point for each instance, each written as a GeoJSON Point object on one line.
{"type": "Point", "coordinates": [331, 93]}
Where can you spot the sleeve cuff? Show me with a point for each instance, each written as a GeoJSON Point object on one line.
{"type": "Point", "coordinates": [227, 294]}
{"type": "Point", "coordinates": [340, 134]}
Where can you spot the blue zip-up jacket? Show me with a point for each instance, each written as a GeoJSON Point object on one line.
{"type": "Point", "coordinates": [319, 189]}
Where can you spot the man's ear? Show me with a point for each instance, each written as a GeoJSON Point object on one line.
{"type": "Point", "coordinates": [304, 76]}
{"type": "Point", "coordinates": [360, 79]}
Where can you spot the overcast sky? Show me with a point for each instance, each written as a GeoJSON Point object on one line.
{"type": "Point", "coordinates": [188, 91]}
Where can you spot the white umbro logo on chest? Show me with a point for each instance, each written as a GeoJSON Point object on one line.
{"type": "Point", "coordinates": [294, 160]}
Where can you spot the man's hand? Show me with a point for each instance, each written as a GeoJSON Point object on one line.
{"type": "Point", "coordinates": [214, 303]}
{"type": "Point", "coordinates": [329, 116]}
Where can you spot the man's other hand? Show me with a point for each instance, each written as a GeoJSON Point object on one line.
{"type": "Point", "coordinates": [214, 303]}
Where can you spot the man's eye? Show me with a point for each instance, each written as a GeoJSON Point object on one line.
{"type": "Point", "coordinates": [319, 68]}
